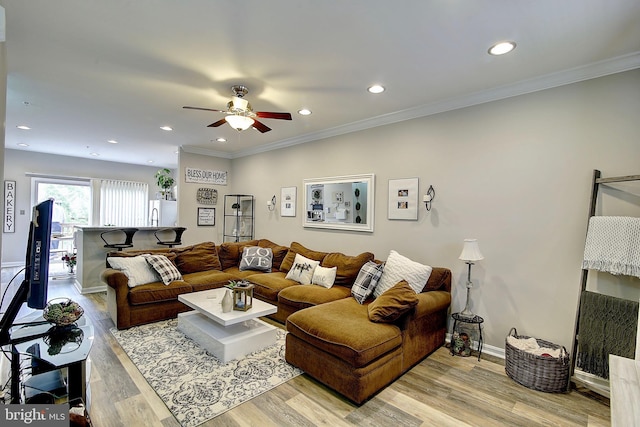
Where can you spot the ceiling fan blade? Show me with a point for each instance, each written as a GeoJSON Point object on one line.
{"type": "Point", "coordinates": [204, 109]}
{"type": "Point", "coordinates": [218, 123]}
{"type": "Point", "coordinates": [260, 126]}
{"type": "Point", "coordinates": [269, 115]}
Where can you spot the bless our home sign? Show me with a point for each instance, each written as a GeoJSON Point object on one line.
{"type": "Point", "coordinates": [202, 176]}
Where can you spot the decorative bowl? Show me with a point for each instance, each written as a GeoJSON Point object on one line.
{"type": "Point", "coordinates": [62, 311]}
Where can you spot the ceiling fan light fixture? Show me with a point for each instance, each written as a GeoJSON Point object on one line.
{"type": "Point", "coordinates": [239, 123]}
{"type": "Point", "coordinates": [239, 103]}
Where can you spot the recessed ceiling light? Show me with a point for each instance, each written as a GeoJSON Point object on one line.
{"type": "Point", "coordinates": [112, 141]}
{"type": "Point", "coordinates": [167, 128]}
{"type": "Point", "coordinates": [94, 154]}
{"type": "Point", "coordinates": [221, 139]}
{"type": "Point", "coordinates": [304, 112]}
{"type": "Point", "coordinates": [149, 161]}
{"type": "Point", "coordinates": [23, 144]}
{"type": "Point", "coordinates": [502, 48]}
{"type": "Point", "coordinates": [23, 127]}
{"type": "Point", "coordinates": [376, 89]}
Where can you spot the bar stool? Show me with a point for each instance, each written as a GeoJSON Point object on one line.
{"type": "Point", "coordinates": [170, 243]}
{"type": "Point", "coordinates": [128, 240]}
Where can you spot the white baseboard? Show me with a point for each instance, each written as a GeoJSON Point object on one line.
{"type": "Point", "coordinates": [92, 290]}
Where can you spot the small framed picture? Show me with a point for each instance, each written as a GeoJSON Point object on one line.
{"type": "Point", "coordinates": [403, 199]}
{"type": "Point", "coordinates": [207, 216]}
{"type": "Point", "coordinates": [288, 201]}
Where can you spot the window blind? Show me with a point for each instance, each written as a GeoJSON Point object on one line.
{"type": "Point", "coordinates": [123, 203]}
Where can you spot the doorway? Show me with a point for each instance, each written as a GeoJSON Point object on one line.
{"type": "Point", "coordinates": [72, 207]}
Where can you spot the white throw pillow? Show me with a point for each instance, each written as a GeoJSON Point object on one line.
{"type": "Point", "coordinates": [324, 276]}
{"type": "Point", "coordinates": [136, 268]}
{"type": "Point", "coordinates": [302, 269]}
{"type": "Point", "coordinates": [397, 268]}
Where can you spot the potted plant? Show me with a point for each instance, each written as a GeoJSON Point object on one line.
{"type": "Point", "coordinates": [165, 181]}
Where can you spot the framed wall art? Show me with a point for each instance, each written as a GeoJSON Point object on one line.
{"type": "Point", "coordinates": [403, 199]}
{"type": "Point", "coordinates": [207, 216]}
{"type": "Point", "coordinates": [288, 201]}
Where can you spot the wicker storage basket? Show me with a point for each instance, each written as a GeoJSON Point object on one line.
{"type": "Point", "coordinates": [548, 374]}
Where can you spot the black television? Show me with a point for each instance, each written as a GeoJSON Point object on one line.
{"type": "Point", "coordinates": [33, 289]}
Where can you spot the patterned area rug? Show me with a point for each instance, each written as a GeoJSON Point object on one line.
{"type": "Point", "coordinates": [191, 382]}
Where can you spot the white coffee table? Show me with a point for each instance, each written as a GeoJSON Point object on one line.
{"type": "Point", "coordinates": [229, 335]}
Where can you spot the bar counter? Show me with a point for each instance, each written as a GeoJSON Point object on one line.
{"type": "Point", "coordinates": [91, 257]}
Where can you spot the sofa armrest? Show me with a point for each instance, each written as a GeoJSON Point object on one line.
{"type": "Point", "coordinates": [424, 328]}
{"type": "Point", "coordinates": [115, 279]}
{"type": "Point", "coordinates": [117, 296]}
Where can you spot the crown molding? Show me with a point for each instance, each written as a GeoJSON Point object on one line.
{"type": "Point", "coordinates": [574, 75]}
{"type": "Point", "coordinates": [207, 152]}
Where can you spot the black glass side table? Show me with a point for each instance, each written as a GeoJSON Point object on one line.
{"type": "Point", "coordinates": [471, 320]}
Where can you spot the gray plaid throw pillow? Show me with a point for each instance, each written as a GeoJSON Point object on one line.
{"type": "Point", "coordinates": [165, 268]}
{"type": "Point", "coordinates": [366, 281]}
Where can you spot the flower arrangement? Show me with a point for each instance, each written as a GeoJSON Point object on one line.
{"type": "Point", "coordinates": [69, 259]}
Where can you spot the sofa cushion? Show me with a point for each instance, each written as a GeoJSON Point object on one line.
{"type": "Point", "coordinates": [302, 269]}
{"type": "Point", "coordinates": [324, 276]}
{"type": "Point", "coordinates": [366, 281]}
{"type": "Point", "coordinates": [342, 328]}
{"type": "Point", "coordinates": [279, 252]}
{"type": "Point", "coordinates": [303, 296]}
{"type": "Point", "coordinates": [229, 253]}
{"type": "Point", "coordinates": [440, 279]}
{"type": "Point", "coordinates": [136, 268]}
{"type": "Point", "coordinates": [256, 258]}
{"type": "Point", "coordinates": [297, 248]}
{"type": "Point", "coordinates": [157, 292]}
{"type": "Point", "coordinates": [348, 266]}
{"type": "Point", "coordinates": [127, 254]}
{"type": "Point", "coordinates": [200, 257]}
{"type": "Point", "coordinates": [166, 270]}
{"type": "Point", "coordinates": [203, 280]}
{"type": "Point", "coordinates": [393, 303]}
{"type": "Point", "coordinates": [397, 268]}
{"type": "Point", "coordinates": [268, 285]}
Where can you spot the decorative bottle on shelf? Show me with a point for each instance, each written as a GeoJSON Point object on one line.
{"type": "Point", "coordinates": [227, 302]}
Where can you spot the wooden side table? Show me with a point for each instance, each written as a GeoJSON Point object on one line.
{"type": "Point", "coordinates": [475, 320]}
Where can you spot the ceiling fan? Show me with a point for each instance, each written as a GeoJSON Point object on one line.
{"type": "Point", "coordinates": [240, 115]}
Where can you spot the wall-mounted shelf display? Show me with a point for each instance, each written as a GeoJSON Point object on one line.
{"type": "Point", "coordinates": [238, 217]}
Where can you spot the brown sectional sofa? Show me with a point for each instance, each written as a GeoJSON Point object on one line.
{"type": "Point", "coordinates": [330, 335]}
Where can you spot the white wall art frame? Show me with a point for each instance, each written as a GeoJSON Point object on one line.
{"type": "Point", "coordinates": [288, 201]}
{"type": "Point", "coordinates": [339, 202]}
{"type": "Point", "coordinates": [403, 199]}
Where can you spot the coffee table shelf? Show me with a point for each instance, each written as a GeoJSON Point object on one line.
{"type": "Point", "coordinates": [229, 335]}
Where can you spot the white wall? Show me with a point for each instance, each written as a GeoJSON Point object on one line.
{"type": "Point", "coordinates": [187, 192]}
{"type": "Point", "coordinates": [18, 162]}
{"type": "Point", "coordinates": [515, 174]}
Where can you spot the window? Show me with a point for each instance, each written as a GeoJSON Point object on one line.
{"type": "Point", "coordinates": [123, 203]}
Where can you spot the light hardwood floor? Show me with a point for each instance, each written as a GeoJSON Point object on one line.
{"type": "Point", "coordinates": [440, 391]}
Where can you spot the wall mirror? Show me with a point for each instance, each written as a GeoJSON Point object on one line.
{"type": "Point", "coordinates": [339, 202]}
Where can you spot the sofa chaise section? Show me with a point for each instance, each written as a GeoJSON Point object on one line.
{"type": "Point", "coordinates": [337, 344]}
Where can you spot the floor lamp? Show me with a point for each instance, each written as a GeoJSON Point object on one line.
{"type": "Point", "coordinates": [470, 254]}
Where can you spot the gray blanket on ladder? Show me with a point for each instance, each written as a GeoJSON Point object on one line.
{"type": "Point", "coordinates": [607, 325]}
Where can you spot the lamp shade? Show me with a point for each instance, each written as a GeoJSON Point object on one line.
{"type": "Point", "coordinates": [239, 122]}
{"type": "Point", "coordinates": [470, 251]}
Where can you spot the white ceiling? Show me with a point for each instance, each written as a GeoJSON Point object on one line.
{"type": "Point", "coordinates": [81, 72]}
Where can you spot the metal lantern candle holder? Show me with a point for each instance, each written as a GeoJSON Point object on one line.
{"type": "Point", "coordinates": [243, 296]}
